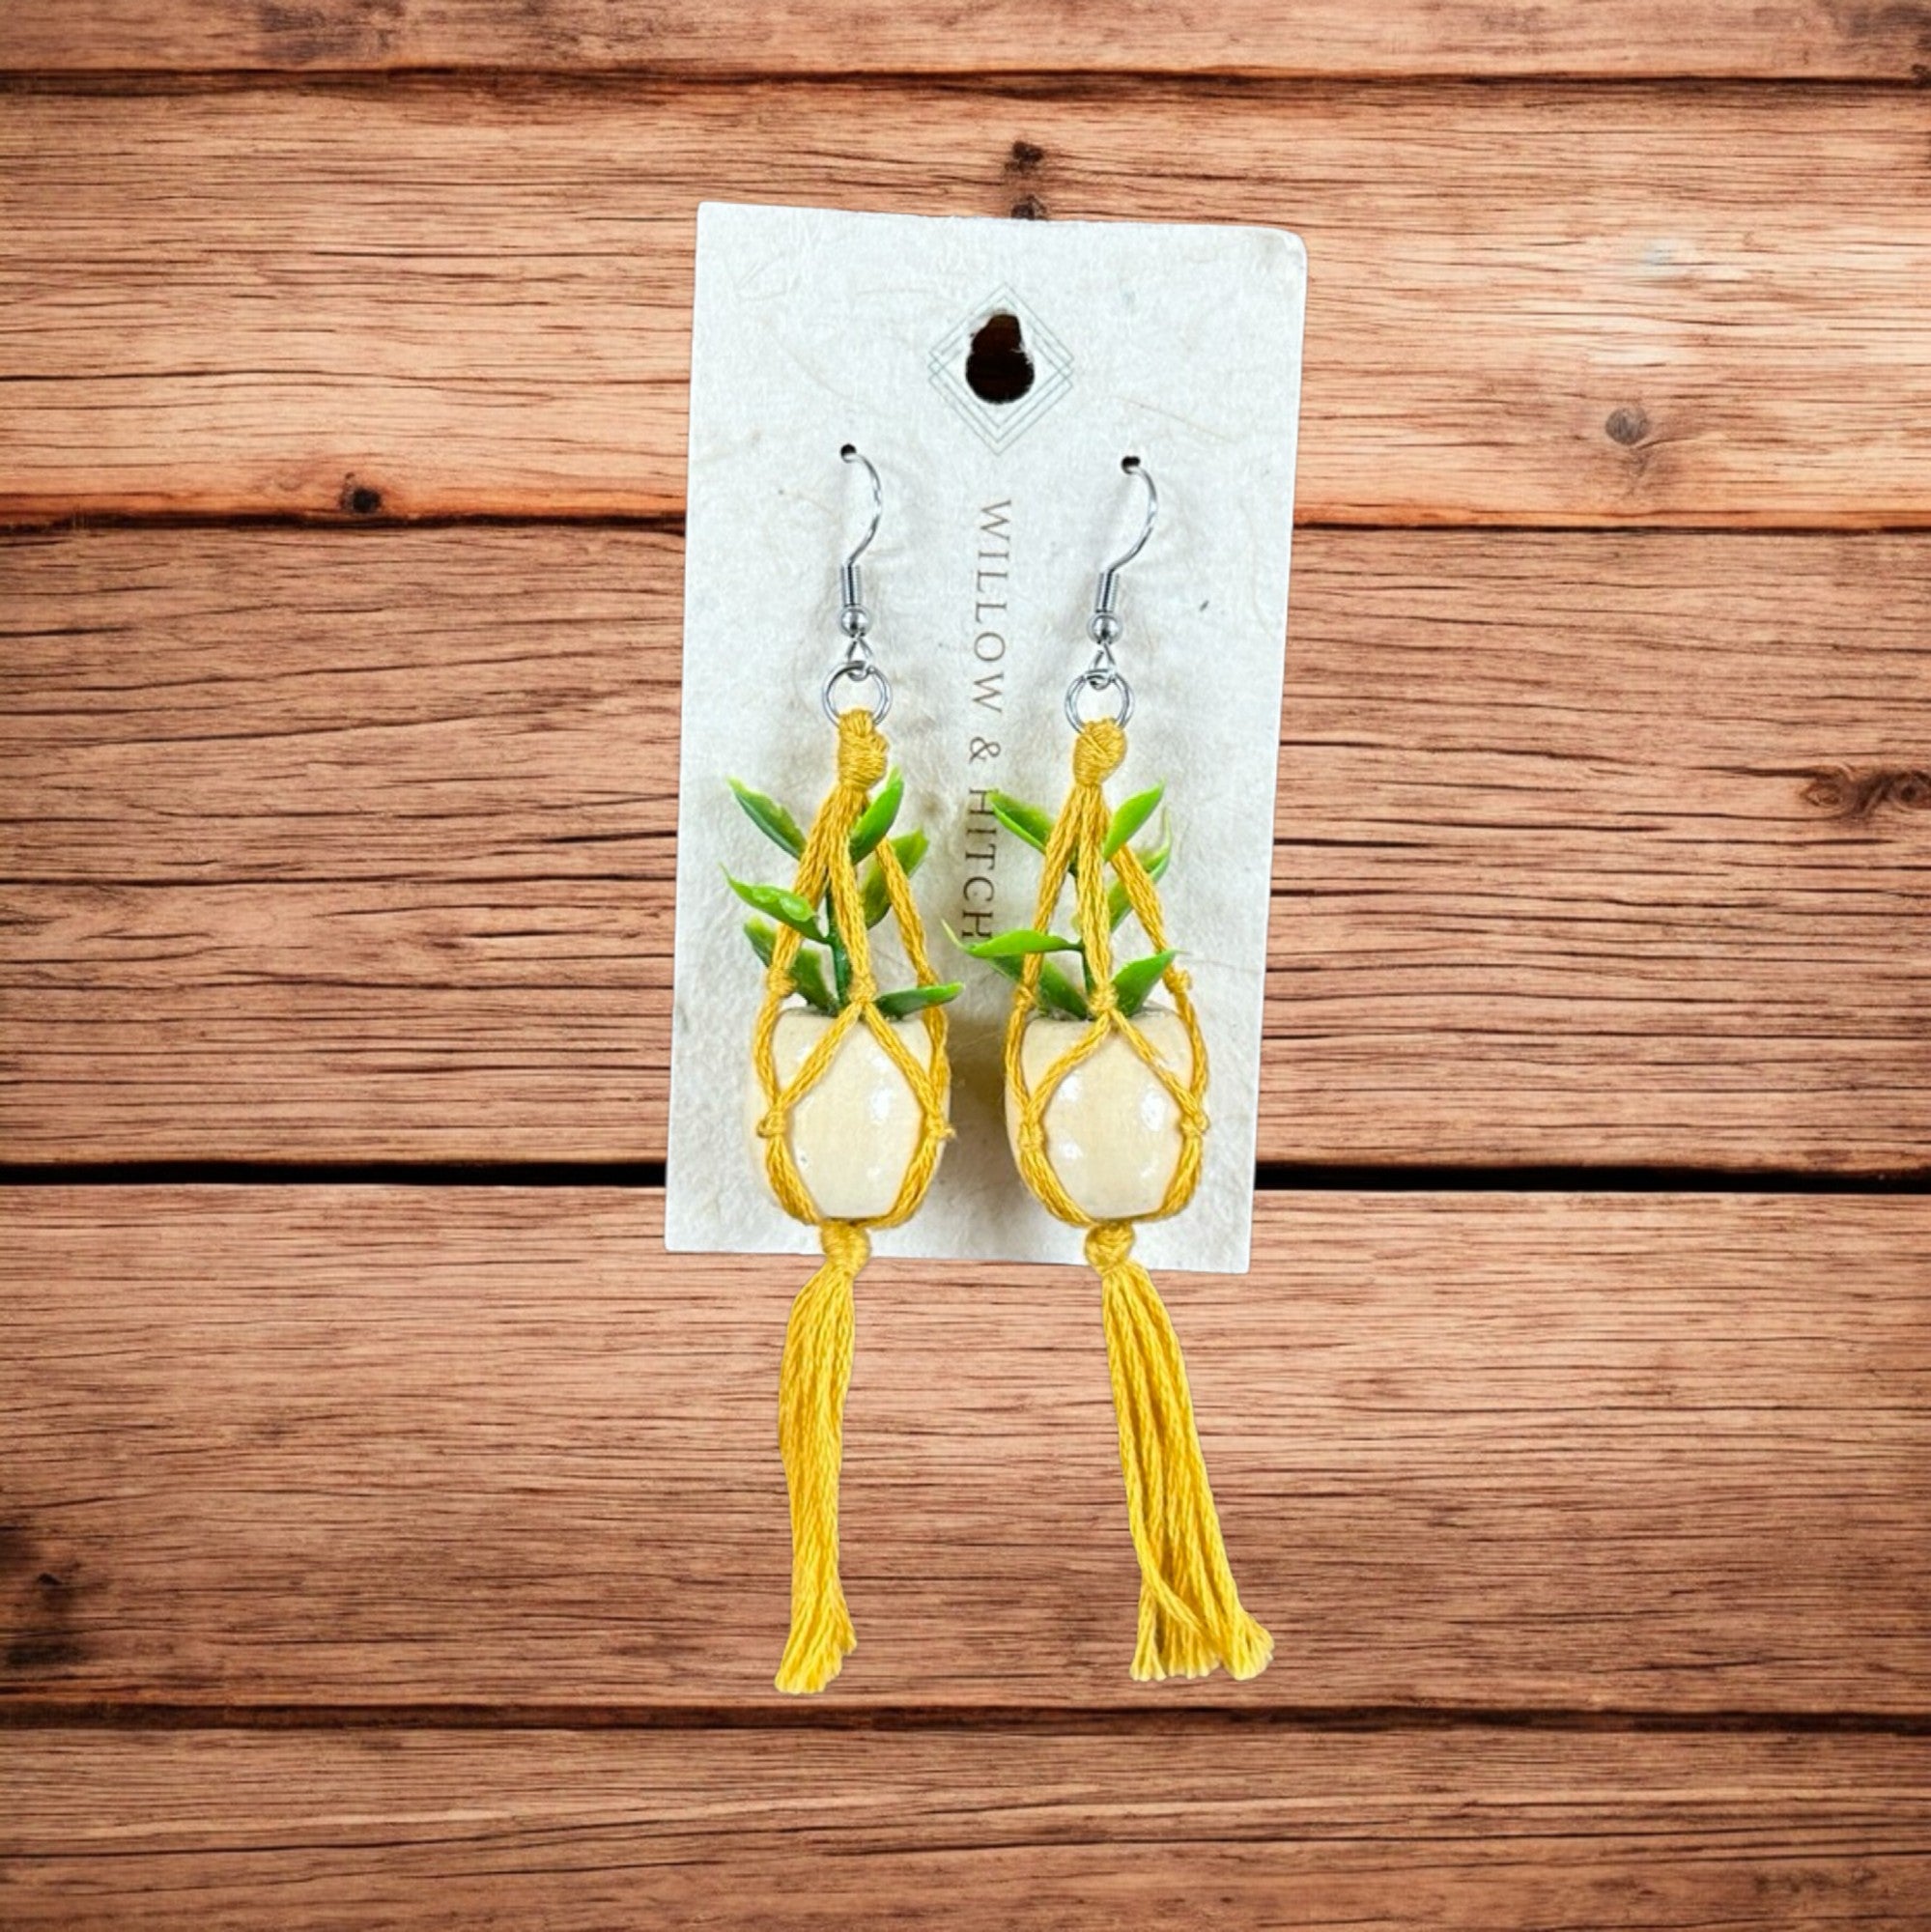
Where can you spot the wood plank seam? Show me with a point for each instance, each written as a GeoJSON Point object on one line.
{"type": "Point", "coordinates": [1120, 1721]}
{"type": "Point", "coordinates": [685, 40]}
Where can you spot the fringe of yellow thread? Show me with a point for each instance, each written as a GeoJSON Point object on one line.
{"type": "Point", "coordinates": [810, 1433]}
{"type": "Point", "coordinates": [1190, 1613]}
{"type": "Point", "coordinates": [816, 1369]}
{"type": "Point", "coordinates": [1191, 1619]}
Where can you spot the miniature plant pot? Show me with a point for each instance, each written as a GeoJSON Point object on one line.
{"type": "Point", "coordinates": [1113, 1131]}
{"type": "Point", "coordinates": [855, 1131]}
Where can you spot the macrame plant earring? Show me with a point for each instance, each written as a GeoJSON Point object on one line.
{"type": "Point", "coordinates": [849, 1091]}
{"type": "Point", "coordinates": [1105, 1086]}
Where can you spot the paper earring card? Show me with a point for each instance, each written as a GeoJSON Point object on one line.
{"type": "Point", "coordinates": [995, 374]}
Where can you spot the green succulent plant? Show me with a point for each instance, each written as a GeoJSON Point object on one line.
{"type": "Point", "coordinates": [824, 982]}
{"type": "Point", "coordinates": [1058, 991]}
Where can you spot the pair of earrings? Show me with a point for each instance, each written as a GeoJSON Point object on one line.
{"type": "Point", "coordinates": [1105, 1113]}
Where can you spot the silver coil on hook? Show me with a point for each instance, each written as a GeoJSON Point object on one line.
{"type": "Point", "coordinates": [1104, 626]}
{"type": "Point", "coordinates": [857, 666]}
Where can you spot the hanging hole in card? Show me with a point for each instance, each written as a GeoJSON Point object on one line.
{"type": "Point", "coordinates": [998, 369]}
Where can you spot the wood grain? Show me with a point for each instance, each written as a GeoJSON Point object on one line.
{"type": "Point", "coordinates": [336, 845]}
{"type": "Point", "coordinates": [415, 1557]}
{"type": "Point", "coordinates": [360, 1447]}
{"type": "Point", "coordinates": [1530, 304]}
{"type": "Point", "coordinates": [1245, 1828]}
{"type": "Point", "coordinates": [1748, 39]}
{"type": "Point", "coordinates": [1410, 37]}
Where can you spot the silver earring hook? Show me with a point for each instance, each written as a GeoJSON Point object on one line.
{"type": "Point", "coordinates": [857, 666]}
{"type": "Point", "coordinates": [1106, 593]}
{"type": "Point", "coordinates": [1104, 626]}
{"type": "Point", "coordinates": [849, 585]}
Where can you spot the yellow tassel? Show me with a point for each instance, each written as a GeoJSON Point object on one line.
{"type": "Point", "coordinates": [1190, 1615]}
{"type": "Point", "coordinates": [811, 1387]}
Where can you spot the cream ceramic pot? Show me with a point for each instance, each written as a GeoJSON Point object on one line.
{"type": "Point", "coordinates": [1113, 1131]}
{"type": "Point", "coordinates": [854, 1133]}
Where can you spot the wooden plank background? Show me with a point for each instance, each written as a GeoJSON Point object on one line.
{"type": "Point", "coordinates": [347, 845]}
{"type": "Point", "coordinates": [1750, 38]}
{"type": "Point", "coordinates": [1529, 304]}
{"type": "Point", "coordinates": [1140, 1826]}
{"type": "Point", "coordinates": [360, 1446]}
{"type": "Point", "coordinates": [381, 1548]}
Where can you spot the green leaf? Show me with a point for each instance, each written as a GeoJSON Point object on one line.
{"type": "Point", "coordinates": [785, 907]}
{"type": "Point", "coordinates": [806, 975]}
{"type": "Point", "coordinates": [770, 817]}
{"type": "Point", "coordinates": [1130, 818]}
{"type": "Point", "coordinates": [1134, 984]}
{"type": "Point", "coordinates": [1017, 944]}
{"type": "Point", "coordinates": [763, 936]}
{"type": "Point", "coordinates": [1155, 862]}
{"type": "Point", "coordinates": [808, 978]}
{"type": "Point", "coordinates": [1056, 991]}
{"type": "Point", "coordinates": [1024, 821]}
{"type": "Point", "coordinates": [916, 999]}
{"type": "Point", "coordinates": [911, 848]}
{"type": "Point", "coordinates": [876, 820]}
{"type": "Point", "coordinates": [842, 965]}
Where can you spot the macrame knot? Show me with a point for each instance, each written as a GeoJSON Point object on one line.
{"type": "Point", "coordinates": [1097, 752]}
{"type": "Point", "coordinates": [845, 1243]}
{"type": "Point", "coordinates": [860, 752]}
{"type": "Point", "coordinates": [1108, 1244]}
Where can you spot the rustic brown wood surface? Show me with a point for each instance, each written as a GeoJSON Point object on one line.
{"type": "Point", "coordinates": [350, 845]}
{"type": "Point", "coordinates": [368, 1446]}
{"type": "Point", "coordinates": [1015, 1828]}
{"type": "Point", "coordinates": [1794, 39]}
{"type": "Point", "coordinates": [1576, 305]}
{"type": "Point", "coordinates": [414, 1555]}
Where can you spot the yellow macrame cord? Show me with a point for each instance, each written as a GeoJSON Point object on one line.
{"type": "Point", "coordinates": [1191, 1619]}
{"type": "Point", "coordinates": [817, 1364]}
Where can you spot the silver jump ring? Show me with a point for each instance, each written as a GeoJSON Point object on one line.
{"type": "Point", "coordinates": [857, 671]}
{"type": "Point", "coordinates": [1099, 677]}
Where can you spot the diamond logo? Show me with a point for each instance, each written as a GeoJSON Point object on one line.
{"type": "Point", "coordinates": [1000, 425]}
